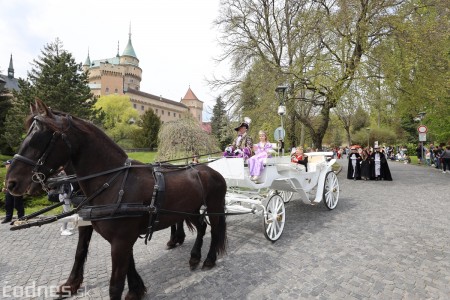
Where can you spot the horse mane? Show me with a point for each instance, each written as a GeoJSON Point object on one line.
{"type": "Point", "coordinates": [78, 123]}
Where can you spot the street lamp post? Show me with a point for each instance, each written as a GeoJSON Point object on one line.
{"type": "Point", "coordinates": [420, 117]}
{"type": "Point", "coordinates": [368, 138]}
{"type": "Point", "coordinates": [281, 95]}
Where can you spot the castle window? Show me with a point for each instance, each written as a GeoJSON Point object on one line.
{"type": "Point", "coordinates": [162, 111]}
{"type": "Point", "coordinates": [142, 107]}
{"type": "Point", "coordinates": [168, 113]}
{"type": "Point", "coordinates": [116, 90]}
{"type": "Point", "coordinates": [175, 115]}
{"type": "Point", "coordinates": [134, 105]}
{"type": "Point", "coordinates": [107, 90]}
{"type": "Point", "coordinates": [156, 111]}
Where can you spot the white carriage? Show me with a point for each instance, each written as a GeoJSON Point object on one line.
{"type": "Point", "coordinates": [278, 182]}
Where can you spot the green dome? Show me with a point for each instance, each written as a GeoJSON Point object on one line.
{"type": "Point", "coordinates": [129, 50]}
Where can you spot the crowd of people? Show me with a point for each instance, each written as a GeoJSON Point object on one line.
{"type": "Point", "coordinates": [365, 164]}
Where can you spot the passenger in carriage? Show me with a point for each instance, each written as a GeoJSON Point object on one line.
{"type": "Point", "coordinates": [299, 157]}
{"type": "Point", "coordinates": [243, 144]}
{"type": "Point", "coordinates": [262, 151]}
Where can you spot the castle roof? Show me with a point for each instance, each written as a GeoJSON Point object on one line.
{"type": "Point", "coordinates": [190, 95]}
{"type": "Point", "coordinates": [129, 50]}
{"type": "Point", "coordinates": [154, 97]}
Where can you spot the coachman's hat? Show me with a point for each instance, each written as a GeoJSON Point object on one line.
{"type": "Point", "coordinates": [245, 124]}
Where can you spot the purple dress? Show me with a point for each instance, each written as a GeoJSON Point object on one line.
{"type": "Point", "coordinates": [256, 162]}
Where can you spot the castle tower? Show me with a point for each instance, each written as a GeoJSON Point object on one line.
{"type": "Point", "coordinates": [195, 106]}
{"type": "Point", "coordinates": [114, 75]}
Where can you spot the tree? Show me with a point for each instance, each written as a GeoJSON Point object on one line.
{"type": "Point", "coordinates": [118, 116]}
{"type": "Point", "coordinates": [147, 135]}
{"type": "Point", "coordinates": [61, 83]}
{"type": "Point", "coordinates": [57, 80]}
{"type": "Point", "coordinates": [316, 47]}
{"type": "Point", "coordinates": [219, 124]}
{"type": "Point", "coordinates": [5, 105]}
{"type": "Point", "coordinates": [184, 138]}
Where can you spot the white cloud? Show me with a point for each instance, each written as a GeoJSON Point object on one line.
{"type": "Point", "coordinates": [174, 40]}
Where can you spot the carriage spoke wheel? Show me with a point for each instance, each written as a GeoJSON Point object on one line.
{"type": "Point", "coordinates": [275, 218]}
{"type": "Point", "coordinates": [331, 190]}
{"type": "Point", "coordinates": [286, 195]}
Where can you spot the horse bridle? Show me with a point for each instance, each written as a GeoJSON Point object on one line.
{"type": "Point", "coordinates": [37, 175]}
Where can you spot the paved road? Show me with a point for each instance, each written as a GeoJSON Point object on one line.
{"type": "Point", "coordinates": [384, 240]}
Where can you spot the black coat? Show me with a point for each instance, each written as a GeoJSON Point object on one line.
{"type": "Point", "coordinates": [350, 166]}
{"type": "Point", "coordinates": [385, 173]}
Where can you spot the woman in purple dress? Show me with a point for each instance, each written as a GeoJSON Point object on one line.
{"type": "Point", "coordinates": [256, 162]}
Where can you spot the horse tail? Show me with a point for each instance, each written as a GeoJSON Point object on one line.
{"type": "Point", "coordinates": [222, 241]}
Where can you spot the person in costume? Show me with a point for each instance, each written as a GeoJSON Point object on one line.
{"type": "Point", "coordinates": [379, 167]}
{"type": "Point", "coordinates": [262, 151]}
{"type": "Point", "coordinates": [365, 165]}
{"type": "Point", "coordinates": [354, 166]}
{"type": "Point", "coordinates": [243, 144]}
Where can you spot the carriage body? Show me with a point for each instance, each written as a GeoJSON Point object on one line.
{"type": "Point", "coordinates": [278, 182]}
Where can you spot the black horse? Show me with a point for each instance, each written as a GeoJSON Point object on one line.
{"type": "Point", "coordinates": [55, 138]}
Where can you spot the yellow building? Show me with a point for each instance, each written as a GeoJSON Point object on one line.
{"type": "Point", "coordinates": [122, 75]}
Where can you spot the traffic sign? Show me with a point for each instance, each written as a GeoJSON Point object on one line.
{"type": "Point", "coordinates": [422, 129]}
{"type": "Point", "coordinates": [279, 133]}
{"type": "Point", "coordinates": [422, 137]}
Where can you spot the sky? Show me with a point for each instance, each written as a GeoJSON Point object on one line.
{"type": "Point", "coordinates": [175, 40]}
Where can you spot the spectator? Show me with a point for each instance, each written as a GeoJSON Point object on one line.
{"type": "Point", "coordinates": [446, 159]}
{"type": "Point", "coordinates": [419, 152]}
{"type": "Point", "coordinates": [11, 201]}
{"type": "Point", "coordinates": [428, 157]}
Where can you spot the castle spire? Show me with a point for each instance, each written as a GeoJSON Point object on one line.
{"type": "Point", "coordinates": [129, 50]}
{"type": "Point", "coordinates": [117, 55]}
{"type": "Point", "coordinates": [87, 62]}
{"type": "Point", "coordinates": [11, 68]}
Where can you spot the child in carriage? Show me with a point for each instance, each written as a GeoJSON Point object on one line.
{"type": "Point", "coordinates": [262, 151]}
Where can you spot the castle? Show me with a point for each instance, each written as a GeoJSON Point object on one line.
{"type": "Point", "coordinates": [122, 75]}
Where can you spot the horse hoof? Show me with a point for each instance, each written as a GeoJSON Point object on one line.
{"type": "Point", "coordinates": [170, 245]}
{"type": "Point", "coordinates": [193, 263]}
{"type": "Point", "coordinates": [133, 296]}
{"type": "Point", "coordinates": [208, 265]}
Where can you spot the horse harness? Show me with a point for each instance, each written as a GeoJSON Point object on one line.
{"type": "Point", "coordinates": [118, 209]}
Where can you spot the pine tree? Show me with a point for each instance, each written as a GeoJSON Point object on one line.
{"type": "Point", "coordinates": [5, 105]}
{"type": "Point", "coordinates": [61, 83]}
{"type": "Point", "coordinates": [219, 123]}
{"type": "Point", "coordinates": [57, 80]}
{"type": "Point", "coordinates": [147, 136]}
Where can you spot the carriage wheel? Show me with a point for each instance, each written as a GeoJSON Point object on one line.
{"type": "Point", "coordinates": [275, 218]}
{"type": "Point", "coordinates": [286, 195]}
{"type": "Point", "coordinates": [331, 190]}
